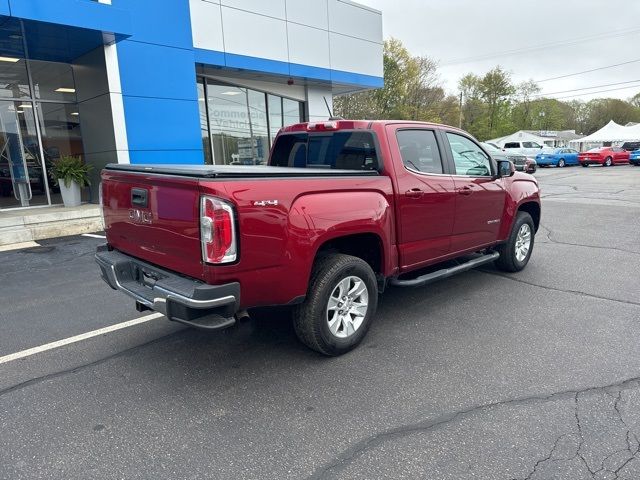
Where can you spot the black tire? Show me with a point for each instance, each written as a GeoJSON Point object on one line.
{"type": "Point", "coordinates": [607, 162]}
{"type": "Point", "coordinates": [561, 163]}
{"type": "Point", "coordinates": [508, 261]}
{"type": "Point", "coordinates": [585, 165]}
{"type": "Point", "coordinates": [310, 319]}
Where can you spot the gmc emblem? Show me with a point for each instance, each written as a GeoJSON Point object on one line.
{"type": "Point", "coordinates": [141, 217]}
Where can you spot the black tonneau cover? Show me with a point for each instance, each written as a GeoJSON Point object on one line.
{"type": "Point", "coordinates": [237, 171]}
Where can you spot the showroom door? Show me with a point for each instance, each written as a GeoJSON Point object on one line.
{"type": "Point", "coordinates": [23, 181]}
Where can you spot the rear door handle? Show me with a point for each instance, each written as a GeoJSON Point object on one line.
{"type": "Point", "coordinates": [414, 193]}
{"type": "Point", "coordinates": [465, 191]}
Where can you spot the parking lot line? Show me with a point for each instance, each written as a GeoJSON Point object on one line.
{"type": "Point", "coordinates": [78, 338]}
{"type": "Point", "coordinates": [93, 235]}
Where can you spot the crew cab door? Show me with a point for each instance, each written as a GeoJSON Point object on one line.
{"type": "Point", "coordinates": [480, 197]}
{"type": "Point", "coordinates": [425, 195]}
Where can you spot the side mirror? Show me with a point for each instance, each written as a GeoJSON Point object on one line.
{"type": "Point", "coordinates": [506, 168]}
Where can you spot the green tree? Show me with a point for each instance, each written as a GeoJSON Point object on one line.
{"type": "Point", "coordinates": [526, 93]}
{"type": "Point", "coordinates": [496, 91]}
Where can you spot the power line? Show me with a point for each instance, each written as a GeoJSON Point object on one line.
{"type": "Point", "coordinates": [569, 42]}
{"type": "Point", "coordinates": [598, 91]}
{"type": "Point", "coordinates": [587, 88]}
{"type": "Point", "coordinates": [587, 71]}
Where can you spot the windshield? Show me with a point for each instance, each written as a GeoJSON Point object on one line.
{"type": "Point", "coordinates": [490, 148]}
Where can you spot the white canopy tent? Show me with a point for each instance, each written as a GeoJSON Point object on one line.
{"type": "Point", "coordinates": [520, 136]}
{"type": "Point", "coordinates": [612, 132]}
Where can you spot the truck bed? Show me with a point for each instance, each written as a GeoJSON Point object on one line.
{"type": "Point", "coordinates": [237, 171]}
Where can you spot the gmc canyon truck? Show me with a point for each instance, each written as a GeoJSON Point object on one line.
{"type": "Point", "coordinates": [344, 209]}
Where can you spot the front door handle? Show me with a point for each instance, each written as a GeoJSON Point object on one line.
{"type": "Point", "coordinates": [465, 191]}
{"type": "Point", "coordinates": [414, 193]}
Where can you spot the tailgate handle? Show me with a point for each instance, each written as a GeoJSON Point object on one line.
{"type": "Point", "coordinates": [139, 197]}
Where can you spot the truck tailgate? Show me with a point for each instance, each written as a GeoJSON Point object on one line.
{"type": "Point", "coordinates": [154, 218]}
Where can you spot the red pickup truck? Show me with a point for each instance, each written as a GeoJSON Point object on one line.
{"type": "Point", "coordinates": [344, 209]}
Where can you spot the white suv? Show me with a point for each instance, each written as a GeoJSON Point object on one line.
{"type": "Point", "coordinates": [530, 149]}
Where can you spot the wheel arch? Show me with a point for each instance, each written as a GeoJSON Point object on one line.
{"type": "Point", "coordinates": [367, 246]}
{"type": "Point", "coordinates": [533, 209]}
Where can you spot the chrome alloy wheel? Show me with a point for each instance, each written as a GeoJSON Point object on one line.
{"type": "Point", "coordinates": [523, 242]}
{"type": "Point", "coordinates": [347, 306]}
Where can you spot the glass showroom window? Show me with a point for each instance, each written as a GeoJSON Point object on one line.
{"type": "Point", "coordinates": [39, 123]}
{"type": "Point", "coordinates": [241, 122]}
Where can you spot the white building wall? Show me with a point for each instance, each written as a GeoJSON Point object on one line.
{"type": "Point", "coordinates": [333, 34]}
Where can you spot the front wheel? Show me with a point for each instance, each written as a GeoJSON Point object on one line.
{"type": "Point", "coordinates": [585, 165]}
{"type": "Point", "coordinates": [516, 251]}
{"type": "Point", "coordinates": [561, 163]}
{"type": "Point", "coordinates": [339, 307]}
{"type": "Point", "coordinates": [608, 162]}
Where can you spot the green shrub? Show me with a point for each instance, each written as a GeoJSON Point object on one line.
{"type": "Point", "coordinates": [69, 169]}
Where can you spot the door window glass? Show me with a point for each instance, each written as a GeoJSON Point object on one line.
{"type": "Point", "coordinates": [468, 157]}
{"type": "Point", "coordinates": [22, 176]}
{"type": "Point", "coordinates": [275, 116]}
{"type": "Point", "coordinates": [512, 145]}
{"type": "Point", "coordinates": [292, 111]}
{"type": "Point", "coordinates": [14, 82]}
{"type": "Point", "coordinates": [53, 81]}
{"type": "Point", "coordinates": [419, 150]}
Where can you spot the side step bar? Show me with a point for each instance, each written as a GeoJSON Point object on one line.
{"type": "Point", "coordinates": [445, 272]}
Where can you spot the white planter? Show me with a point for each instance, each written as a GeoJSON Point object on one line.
{"type": "Point", "coordinates": [71, 195]}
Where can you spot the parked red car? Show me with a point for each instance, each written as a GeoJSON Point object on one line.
{"type": "Point", "coordinates": [605, 156]}
{"type": "Point", "coordinates": [344, 209]}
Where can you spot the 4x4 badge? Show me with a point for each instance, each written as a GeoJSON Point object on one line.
{"type": "Point", "coordinates": [265, 203]}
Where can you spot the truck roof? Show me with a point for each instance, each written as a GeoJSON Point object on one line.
{"type": "Point", "coordinates": [343, 124]}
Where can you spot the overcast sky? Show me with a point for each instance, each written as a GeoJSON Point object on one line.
{"type": "Point", "coordinates": [453, 31]}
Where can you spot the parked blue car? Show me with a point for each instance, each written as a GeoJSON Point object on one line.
{"type": "Point", "coordinates": [559, 157]}
{"type": "Point", "coordinates": [634, 158]}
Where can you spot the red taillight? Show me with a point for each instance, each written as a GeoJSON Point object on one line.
{"type": "Point", "coordinates": [217, 231]}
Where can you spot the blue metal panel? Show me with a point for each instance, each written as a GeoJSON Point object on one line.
{"type": "Point", "coordinates": [209, 57]}
{"type": "Point", "coordinates": [167, 156]}
{"type": "Point", "coordinates": [75, 13]}
{"type": "Point", "coordinates": [156, 71]}
{"type": "Point", "coordinates": [164, 22]}
{"type": "Point", "coordinates": [294, 70]}
{"type": "Point", "coordinates": [257, 64]}
{"type": "Point", "coordinates": [307, 71]}
{"type": "Point", "coordinates": [162, 124]}
{"type": "Point", "coordinates": [60, 43]}
{"type": "Point", "coordinates": [357, 79]}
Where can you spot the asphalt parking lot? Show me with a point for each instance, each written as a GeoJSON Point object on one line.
{"type": "Point", "coordinates": [531, 375]}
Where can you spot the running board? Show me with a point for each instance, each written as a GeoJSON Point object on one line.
{"type": "Point", "coordinates": [445, 272]}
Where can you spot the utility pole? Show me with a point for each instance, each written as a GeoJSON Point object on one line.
{"type": "Point", "coordinates": [460, 119]}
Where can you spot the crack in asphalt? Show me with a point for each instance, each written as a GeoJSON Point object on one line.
{"type": "Point", "coordinates": [548, 457]}
{"type": "Point", "coordinates": [62, 373]}
{"type": "Point", "coordinates": [555, 289]}
{"type": "Point", "coordinates": [349, 455]}
{"type": "Point", "coordinates": [549, 234]}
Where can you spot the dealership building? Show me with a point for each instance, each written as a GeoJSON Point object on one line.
{"type": "Point", "coordinates": [168, 81]}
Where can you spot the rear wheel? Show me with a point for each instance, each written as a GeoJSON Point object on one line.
{"type": "Point", "coordinates": [339, 307]}
{"type": "Point", "coordinates": [608, 162]}
{"type": "Point", "coordinates": [516, 251]}
{"type": "Point", "coordinates": [561, 163]}
{"type": "Point", "coordinates": [584, 164]}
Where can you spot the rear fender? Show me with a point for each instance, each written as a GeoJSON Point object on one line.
{"type": "Point", "coordinates": [316, 219]}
